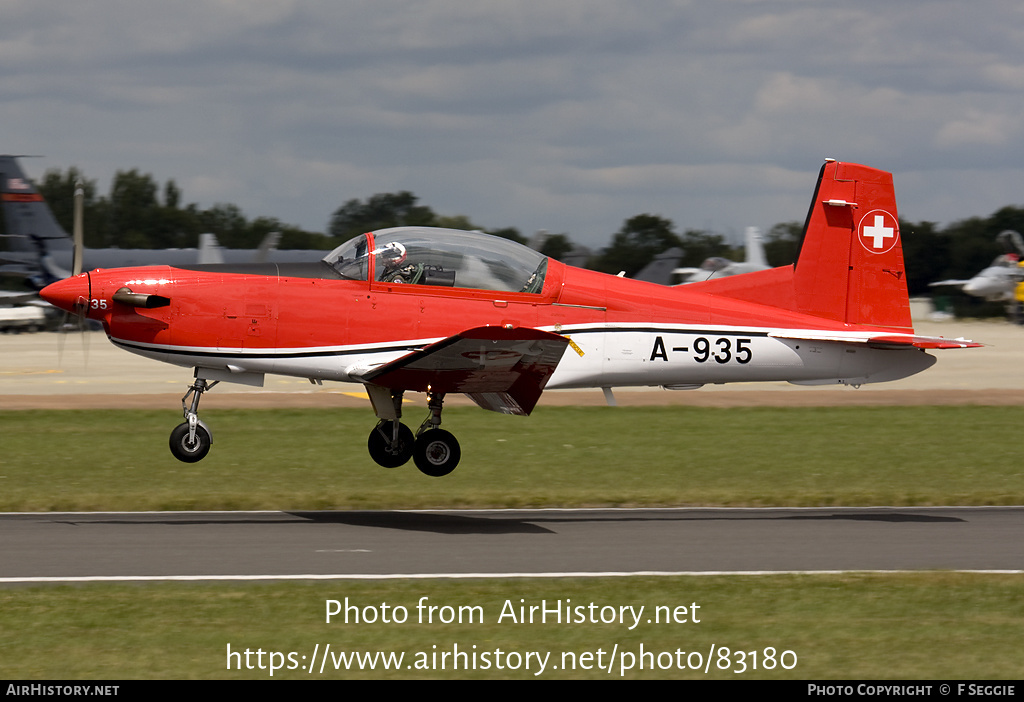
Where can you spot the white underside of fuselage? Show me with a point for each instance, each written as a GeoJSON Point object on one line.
{"type": "Point", "coordinates": [681, 356]}
{"type": "Point", "coordinates": [608, 356]}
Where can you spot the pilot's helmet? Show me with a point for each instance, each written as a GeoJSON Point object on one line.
{"type": "Point", "coordinates": [392, 254]}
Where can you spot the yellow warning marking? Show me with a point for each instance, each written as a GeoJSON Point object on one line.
{"type": "Point", "coordinates": [575, 348]}
{"type": "Point", "coordinates": [364, 396]}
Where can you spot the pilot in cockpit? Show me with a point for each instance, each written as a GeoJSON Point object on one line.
{"type": "Point", "coordinates": [391, 264]}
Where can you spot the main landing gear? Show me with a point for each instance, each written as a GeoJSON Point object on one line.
{"type": "Point", "coordinates": [435, 451]}
{"type": "Point", "coordinates": [191, 440]}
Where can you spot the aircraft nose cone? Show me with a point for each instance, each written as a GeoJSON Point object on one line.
{"type": "Point", "coordinates": [69, 293]}
{"type": "Point", "coordinates": [978, 288]}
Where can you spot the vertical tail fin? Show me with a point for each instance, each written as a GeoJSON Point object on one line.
{"type": "Point", "coordinates": [28, 217]}
{"type": "Point", "coordinates": [851, 267]}
{"type": "Point", "coordinates": [755, 248]}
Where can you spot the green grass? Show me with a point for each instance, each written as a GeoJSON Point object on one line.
{"type": "Point", "coordinates": [316, 459]}
{"type": "Point", "coordinates": [915, 626]}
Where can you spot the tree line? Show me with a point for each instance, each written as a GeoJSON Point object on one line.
{"type": "Point", "coordinates": [140, 213]}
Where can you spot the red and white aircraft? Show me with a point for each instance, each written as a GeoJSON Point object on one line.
{"type": "Point", "coordinates": [440, 311]}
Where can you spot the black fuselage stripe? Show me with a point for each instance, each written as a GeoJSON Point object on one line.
{"type": "Point", "coordinates": [661, 330]}
{"type": "Point", "coordinates": [260, 353]}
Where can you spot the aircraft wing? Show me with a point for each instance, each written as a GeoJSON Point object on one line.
{"type": "Point", "coordinates": [502, 370]}
{"type": "Point", "coordinates": [886, 341]}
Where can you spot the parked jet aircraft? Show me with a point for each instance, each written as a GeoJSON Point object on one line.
{"type": "Point", "coordinates": [719, 267]}
{"type": "Point", "coordinates": [998, 281]}
{"type": "Point", "coordinates": [436, 311]}
{"type": "Point", "coordinates": [41, 251]}
{"type": "Point", "coordinates": [661, 267]}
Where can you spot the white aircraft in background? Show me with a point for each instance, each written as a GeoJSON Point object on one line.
{"type": "Point", "coordinates": [998, 281]}
{"type": "Point", "coordinates": [719, 267]}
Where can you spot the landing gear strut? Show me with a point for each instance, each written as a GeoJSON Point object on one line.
{"type": "Point", "coordinates": [191, 440]}
{"type": "Point", "coordinates": [390, 443]}
{"type": "Point", "coordinates": [435, 451]}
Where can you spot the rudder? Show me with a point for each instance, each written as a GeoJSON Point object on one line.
{"type": "Point", "coordinates": [850, 267]}
{"type": "Point", "coordinates": [28, 217]}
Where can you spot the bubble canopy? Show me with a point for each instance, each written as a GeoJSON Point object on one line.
{"type": "Point", "coordinates": [440, 257]}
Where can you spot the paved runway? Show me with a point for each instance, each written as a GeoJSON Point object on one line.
{"type": "Point", "coordinates": [280, 545]}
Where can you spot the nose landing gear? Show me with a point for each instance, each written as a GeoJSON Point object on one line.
{"type": "Point", "coordinates": [191, 440]}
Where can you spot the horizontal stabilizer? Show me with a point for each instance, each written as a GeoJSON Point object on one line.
{"type": "Point", "coordinates": [501, 369]}
{"type": "Point", "coordinates": [884, 341]}
{"type": "Point", "coordinates": [921, 342]}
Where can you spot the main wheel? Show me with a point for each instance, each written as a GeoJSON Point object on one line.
{"type": "Point", "coordinates": [436, 452]}
{"type": "Point", "coordinates": [387, 453]}
{"type": "Point", "coordinates": [190, 452]}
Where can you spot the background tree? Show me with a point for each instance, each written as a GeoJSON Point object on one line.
{"type": "Point", "coordinates": [925, 254]}
{"type": "Point", "coordinates": [291, 237]}
{"type": "Point", "coordinates": [378, 212]}
{"type": "Point", "coordinates": [455, 222]}
{"type": "Point", "coordinates": [229, 225]}
{"type": "Point", "coordinates": [639, 240]}
{"type": "Point", "coordinates": [132, 219]}
{"type": "Point", "coordinates": [699, 245]}
{"type": "Point", "coordinates": [782, 243]}
{"type": "Point", "coordinates": [58, 189]}
{"type": "Point", "coordinates": [557, 246]}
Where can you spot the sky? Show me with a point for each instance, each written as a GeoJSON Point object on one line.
{"type": "Point", "coordinates": [568, 116]}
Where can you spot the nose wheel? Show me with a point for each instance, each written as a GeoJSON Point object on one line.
{"type": "Point", "coordinates": [190, 446]}
{"type": "Point", "coordinates": [191, 440]}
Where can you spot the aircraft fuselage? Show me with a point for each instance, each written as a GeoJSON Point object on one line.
{"type": "Point", "coordinates": [628, 333]}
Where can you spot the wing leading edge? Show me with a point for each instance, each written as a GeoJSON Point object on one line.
{"type": "Point", "coordinates": [501, 369]}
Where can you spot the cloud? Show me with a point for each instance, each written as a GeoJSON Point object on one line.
{"type": "Point", "coordinates": [569, 116]}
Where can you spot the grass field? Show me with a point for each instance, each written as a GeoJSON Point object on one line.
{"type": "Point", "coordinates": [565, 456]}
{"type": "Point", "coordinates": [914, 626]}
{"type": "Point", "coordinates": [910, 626]}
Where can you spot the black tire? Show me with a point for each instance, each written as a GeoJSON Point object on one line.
{"type": "Point", "coordinates": [381, 450]}
{"type": "Point", "coordinates": [436, 452]}
{"type": "Point", "coordinates": [186, 452]}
